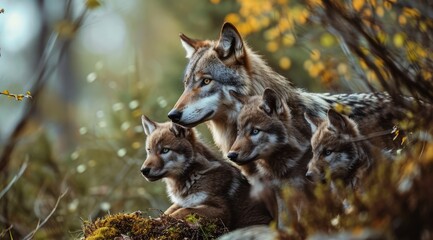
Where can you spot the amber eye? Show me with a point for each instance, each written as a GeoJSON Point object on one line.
{"type": "Point", "coordinates": [206, 81]}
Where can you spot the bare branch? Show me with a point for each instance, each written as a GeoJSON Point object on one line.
{"type": "Point", "coordinates": [42, 223]}
{"type": "Point", "coordinates": [15, 178]}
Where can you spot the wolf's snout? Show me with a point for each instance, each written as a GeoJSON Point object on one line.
{"type": "Point", "coordinates": [232, 156]}
{"type": "Point", "coordinates": [145, 171]}
{"type": "Point", "coordinates": [175, 115]}
{"type": "Point", "coordinates": [310, 176]}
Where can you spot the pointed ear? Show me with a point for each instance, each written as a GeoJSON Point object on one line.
{"type": "Point", "coordinates": [148, 125]}
{"type": "Point", "coordinates": [238, 97]}
{"type": "Point", "coordinates": [179, 131]}
{"type": "Point", "coordinates": [189, 44]}
{"type": "Point", "coordinates": [230, 43]}
{"type": "Point", "coordinates": [271, 102]}
{"type": "Point", "coordinates": [312, 121]}
{"type": "Point", "coordinates": [337, 121]}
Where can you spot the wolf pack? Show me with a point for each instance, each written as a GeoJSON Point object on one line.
{"type": "Point", "coordinates": [271, 134]}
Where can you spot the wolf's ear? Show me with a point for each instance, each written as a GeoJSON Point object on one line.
{"type": "Point", "coordinates": [148, 125]}
{"type": "Point", "coordinates": [238, 97]}
{"type": "Point", "coordinates": [312, 121]}
{"type": "Point", "coordinates": [337, 121]}
{"type": "Point", "coordinates": [189, 44]}
{"type": "Point", "coordinates": [271, 102]}
{"type": "Point", "coordinates": [179, 131]}
{"type": "Point", "coordinates": [230, 42]}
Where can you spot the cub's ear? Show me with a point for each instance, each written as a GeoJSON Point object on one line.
{"type": "Point", "coordinates": [148, 125]}
{"type": "Point", "coordinates": [230, 43]}
{"type": "Point", "coordinates": [337, 121]}
{"type": "Point", "coordinates": [271, 102]}
{"type": "Point", "coordinates": [312, 121]}
{"type": "Point", "coordinates": [189, 44]}
{"type": "Point", "coordinates": [238, 97]}
{"type": "Point", "coordinates": [179, 131]}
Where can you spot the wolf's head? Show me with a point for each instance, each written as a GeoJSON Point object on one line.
{"type": "Point", "coordinates": [169, 149]}
{"type": "Point", "coordinates": [333, 145]}
{"type": "Point", "coordinates": [214, 68]}
{"type": "Point", "coordinates": [261, 126]}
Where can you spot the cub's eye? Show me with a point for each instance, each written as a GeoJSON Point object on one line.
{"type": "Point", "coordinates": [165, 150]}
{"type": "Point", "coordinates": [255, 131]}
{"type": "Point", "coordinates": [327, 152]}
{"type": "Point", "coordinates": [206, 81]}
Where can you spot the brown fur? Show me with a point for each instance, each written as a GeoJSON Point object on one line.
{"type": "Point", "coordinates": [339, 147]}
{"type": "Point", "coordinates": [193, 170]}
{"type": "Point", "coordinates": [232, 65]}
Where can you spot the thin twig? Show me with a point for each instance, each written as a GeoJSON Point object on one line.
{"type": "Point", "coordinates": [15, 178]}
{"type": "Point", "coordinates": [40, 224]}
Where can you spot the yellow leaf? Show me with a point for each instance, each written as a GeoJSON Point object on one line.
{"type": "Point", "coordinates": [402, 20]}
{"type": "Point", "coordinates": [315, 54]}
{"type": "Point", "coordinates": [289, 40]}
{"type": "Point", "coordinates": [403, 140]}
{"type": "Point", "coordinates": [398, 39]}
{"type": "Point", "coordinates": [380, 12]}
{"type": "Point", "coordinates": [411, 12]}
{"type": "Point", "coordinates": [327, 40]}
{"type": "Point", "coordinates": [92, 4]}
{"type": "Point", "coordinates": [357, 4]}
{"type": "Point", "coordinates": [341, 108]}
{"type": "Point", "coordinates": [342, 68]}
{"type": "Point", "coordinates": [6, 92]}
{"type": "Point", "coordinates": [233, 18]}
{"type": "Point", "coordinates": [272, 46]}
{"type": "Point", "coordinates": [285, 63]}
{"type": "Point", "coordinates": [308, 64]}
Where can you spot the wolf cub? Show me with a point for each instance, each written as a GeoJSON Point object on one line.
{"type": "Point", "coordinates": [338, 147]}
{"type": "Point", "coordinates": [198, 182]}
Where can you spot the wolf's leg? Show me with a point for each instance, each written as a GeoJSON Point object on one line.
{"type": "Point", "coordinates": [171, 209]}
{"type": "Point", "coordinates": [208, 211]}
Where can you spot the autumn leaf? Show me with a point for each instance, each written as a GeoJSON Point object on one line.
{"type": "Point", "coordinates": [92, 4]}
{"type": "Point", "coordinates": [357, 4]}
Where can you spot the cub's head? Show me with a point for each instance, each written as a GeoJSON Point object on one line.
{"type": "Point", "coordinates": [214, 68]}
{"type": "Point", "coordinates": [333, 146]}
{"type": "Point", "coordinates": [169, 149]}
{"type": "Point", "coordinates": [261, 126]}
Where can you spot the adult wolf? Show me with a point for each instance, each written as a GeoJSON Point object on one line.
{"type": "Point", "coordinates": [228, 64]}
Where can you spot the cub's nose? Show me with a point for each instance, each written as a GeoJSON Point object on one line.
{"type": "Point", "coordinates": [310, 176]}
{"type": "Point", "coordinates": [145, 171]}
{"type": "Point", "coordinates": [175, 115]}
{"type": "Point", "coordinates": [232, 156]}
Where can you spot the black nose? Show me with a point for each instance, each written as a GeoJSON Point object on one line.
{"type": "Point", "coordinates": [309, 176]}
{"type": "Point", "coordinates": [232, 156]}
{"type": "Point", "coordinates": [175, 115]}
{"type": "Point", "coordinates": [145, 171]}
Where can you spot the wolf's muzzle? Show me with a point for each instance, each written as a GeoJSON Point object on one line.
{"type": "Point", "coordinates": [175, 115]}
{"type": "Point", "coordinates": [232, 156]}
{"type": "Point", "coordinates": [145, 172]}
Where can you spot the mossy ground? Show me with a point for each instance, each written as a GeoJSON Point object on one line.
{"type": "Point", "coordinates": [137, 226]}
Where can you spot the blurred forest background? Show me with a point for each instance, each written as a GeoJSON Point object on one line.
{"type": "Point", "coordinates": [73, 151]}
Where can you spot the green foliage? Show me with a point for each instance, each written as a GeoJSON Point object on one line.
{"type": "Point", "coordinates": [136, 226]}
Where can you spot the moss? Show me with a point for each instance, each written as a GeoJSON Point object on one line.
{"type": "Point", "coordinates": [136, 226]}
{"type": "Point", "coordinates": [104, 233]}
